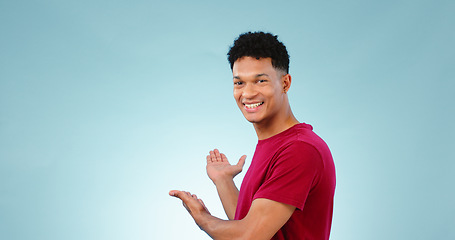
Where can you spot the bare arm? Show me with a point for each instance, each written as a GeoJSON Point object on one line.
{"type": "Point", "coordinates": [263, 220]}
{"type": "Point", "coordinates": [222, 173]}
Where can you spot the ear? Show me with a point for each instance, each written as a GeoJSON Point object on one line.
{"type": "Point", "coordinates": [286, 82]}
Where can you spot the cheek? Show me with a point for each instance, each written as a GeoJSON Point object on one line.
{"type": "Point", "coordinates": [237, 95]}
{"type": "Point", "coordinates": [271, 93]}
{"type": "Point", "coordinates": [273, 98]}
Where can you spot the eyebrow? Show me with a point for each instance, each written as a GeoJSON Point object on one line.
{"type": "Point", "coordinates": [256, 76]}
{"type": "Point", "coordinates": [262, 74]}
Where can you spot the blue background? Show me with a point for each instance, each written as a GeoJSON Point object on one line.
{"type": "Point", "coordinates": [107, 105]}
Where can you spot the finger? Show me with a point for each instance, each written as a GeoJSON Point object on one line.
{"type": "Point", "coordinates": [241, 161]}
{"type": "Point", "coordinates": [182, 195]}
{"type": "Point", "coordinates": [212, 155]}
{"type": "Point", "coordinates": [188, 194]}
{"type": "Point", "coordinates": [179, 194]}
{"type": "Point", "coordinates": [223, 158]}
{"type": "Point", "coordinates": [217, 155]}
{"type": "Point", "coordinates": [202, 203]}
{"type": "Point", "coordinates": [173, 193]}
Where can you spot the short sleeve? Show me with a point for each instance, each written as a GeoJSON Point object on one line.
{"type": "Point", "coordinates": [291, 174]}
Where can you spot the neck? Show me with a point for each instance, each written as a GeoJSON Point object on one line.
{"type": "Point", "coordinates": [275, 126]}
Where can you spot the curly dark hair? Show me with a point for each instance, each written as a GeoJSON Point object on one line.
{"type": "Point", "coordinates": [260, 45]}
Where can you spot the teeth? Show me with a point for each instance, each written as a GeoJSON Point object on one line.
{"type": "Point", "coordinates": [253, 105]}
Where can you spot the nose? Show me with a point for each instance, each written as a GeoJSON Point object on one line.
{"type": "Point", "coordinates": [249, 91]}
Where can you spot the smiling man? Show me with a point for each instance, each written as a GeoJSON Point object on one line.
{"type": "Point", "coordinates": [287, 192]}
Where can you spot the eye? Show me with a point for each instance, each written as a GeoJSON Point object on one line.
{"type": "Point", "coordinates": [262, 81]}
{"type": "Point", "coordinates": [238, 83]}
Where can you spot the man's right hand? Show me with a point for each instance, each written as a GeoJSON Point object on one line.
{"type": "Point", "coordinates": [219, 168]}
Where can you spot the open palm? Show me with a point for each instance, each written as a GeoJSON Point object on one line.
{"type": "Point", "coordinates": [218, 166]}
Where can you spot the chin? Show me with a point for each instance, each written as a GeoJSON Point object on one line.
{"type": "Point", "coordinates": [253, 120]}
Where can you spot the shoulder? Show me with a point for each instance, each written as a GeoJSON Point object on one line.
{"type": "Point", "coordinates": [299, 153]}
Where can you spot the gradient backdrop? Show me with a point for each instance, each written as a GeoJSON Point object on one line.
{"type": "Point", "coordinates": [107, 105]}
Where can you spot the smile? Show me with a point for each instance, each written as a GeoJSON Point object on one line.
{"type": "Point", "coordinates": [255, 105]}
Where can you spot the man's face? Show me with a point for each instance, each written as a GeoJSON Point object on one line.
{"type": "Point", "coordinates": [258, 89]}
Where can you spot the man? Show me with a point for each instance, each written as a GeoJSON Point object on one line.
{"type": "Point", "coordinates": [288, 190]}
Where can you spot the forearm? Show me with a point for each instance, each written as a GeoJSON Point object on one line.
{"type": "Point", "coordinates": [229, 194]}
{"type": "Point", "coordinates": [219, 229]}
{"type": "Point", "coordinates": [262, 221]}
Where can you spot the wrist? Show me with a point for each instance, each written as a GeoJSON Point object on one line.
{"type": "Point", "coordinates": [223, 180]}
{"type": "Point", "coordinates": [202, 220]}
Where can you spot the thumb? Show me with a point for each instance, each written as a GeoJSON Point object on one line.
{"type": "Point", "coordinates": [241, 161]}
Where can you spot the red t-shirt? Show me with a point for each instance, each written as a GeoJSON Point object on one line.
{"type": "Point", "coordinates": [294, 167]}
